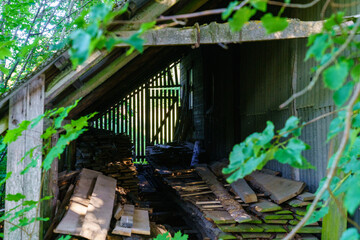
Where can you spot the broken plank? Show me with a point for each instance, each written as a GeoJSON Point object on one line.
{"type": "Point", "coordinates": [127, 218]}
{"type": "Point", "coordinates": [272, 228]}
{"type": "Point", "coordinates": [84, 186]}
{"type": "Point", "coordinates": [119, 211]}
{"type": "Point", "coordinates": [99, 212]}
{"type": "Point", "coordinates": [219, 217]}
{"type": "Point", "coordinates": [195, 194]}
{"type": "Point", "coordinates": [256, 235]}
{"type": "Point", "coordinates": [228, 202]}
{"type": "Point", "coordinates": [280, 189]}
{"type": "Point", "coordinates": [306, 196]}
{"type": "Point", "coordinates": [297, 203]}
{"type": "Point", "coordinates": [141, 222]}
{"type": "Point", "coordinates": [265, 206]}
{"type": "Point", "coordinates": [243, 190]}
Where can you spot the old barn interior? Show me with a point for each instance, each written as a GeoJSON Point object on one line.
{"type": "Point", "coordinates": [158, 109]}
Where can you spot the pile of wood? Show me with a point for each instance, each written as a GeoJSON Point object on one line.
{"type": "Point", "coordinates": [88, 211]}
{"type": "Point", "coordinates": [263, 206]}
{"type": "Point", "coordinates": [110, 154]}
{"type": "Point", "coordinates": [173, 155]}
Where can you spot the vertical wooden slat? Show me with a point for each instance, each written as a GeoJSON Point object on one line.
{"type": "Point", "coordinates": [138, 113]}
{"type": "Point", "coordinates": [127, 102]}
{"type": "Point", "coordinates": [26, 104]}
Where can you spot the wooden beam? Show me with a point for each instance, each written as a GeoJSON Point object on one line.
{"type": "Point", "coordinates": [26, 104]}
{"type": "Point", "coordinates": [214, 33]}
{"type": "Point", "coordinates": [147, 13]}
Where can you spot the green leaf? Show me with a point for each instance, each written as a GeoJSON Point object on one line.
{"type": "Point", "coordinates": [29, 203]}
{"type": "Point", "coordinates": [179, 236]}
{"type": "Point", "coordinates": [164, 236]}
{"type": "Point", "coordinates": [355, 73]}
{"type": "Point", "coordinates": [240, 17]}
{"type": "Point", "coordinates": [259, 4]}
{"type": "Point", "coordinates": [13, 134]}
{"type": "Point", "coordinates": [319, 44]}
{"type": "Point", "coordinates": [350, 234]}
{"type": "Point", "coordinates": [335, 20]}
{"type": "Point", "coordinates": [342, 95]}
{"type": "Point", "coordinates": [317, 215]}
{"type": "Point", "coordinates": [15, 197]}
{"type": "Point", "coordinates": [4, 70]}
{"type": "Point", "coordinates": [274, 24]}
{"type": "Point", "coordinates": [334, 76]}
{"type": "Point", "coordinates": [4, 52]}
{"type": "Point", "coordinates": [229, 10]}
{"type": "Point", "coordinates": [80, 46]}
{"type": "Point", "coordinates": [336, 126]}
{"type": "Point", "coordinates": [291, 127]}
{"type": "Point", "coordinates": [68, 237]}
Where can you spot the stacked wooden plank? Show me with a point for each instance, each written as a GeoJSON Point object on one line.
{"type": "Point", "coordinates": [270, 206]}
{"type": "Point", "coordinates": [90, 208]}
{"type": "Point", "coordinates": [110, 154]}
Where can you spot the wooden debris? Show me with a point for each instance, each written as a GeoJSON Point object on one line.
{"type": "Point", "coordinates": [280, 189]}
{"type": "Point", "coordinates": [123, 227]}
{"type": "Point", "coordinates": [265, 206]}
{"type": "Point", "coordinates": [272, 228]}
{"type": "Point", "coordinates": [256, 235]}
{"type": "Point", "coordinates": [119, 211]}
{"type": "Point", "coordinates": [306, 196]}
{"type": "Point", "coordinates": [243, 190]}
{"type": "Point", "coordinates": [241, 228]}
{"type": "Point", "coordinates": [298, 203]}
{"type": "Point", "coordinates": [307, 229]}
{"type": "Point", "coordinates": [99, 212]}
{"type": "Point", "coordinates": [228, 202]}
{"type": "Point", "coordinates": [219, 217]}
{"type": "Point", "coordinates": [141, 222]}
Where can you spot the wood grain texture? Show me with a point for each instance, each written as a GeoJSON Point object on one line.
{"type": "Point", "coordinates": [99, 212]}
{"type": "Point", "coordinates": [26, 104]}
{"type": "Point", "coordinates": [280, 189]}
{"type": "Point", "coordinates": [244, 191]}
{"type": "Point", "coordinates": [141, 222]}
{"type": "Point", "coordinates": [228, 202]}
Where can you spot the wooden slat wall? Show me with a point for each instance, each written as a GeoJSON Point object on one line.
{"type": "Point", "coordinates": [149, 113]}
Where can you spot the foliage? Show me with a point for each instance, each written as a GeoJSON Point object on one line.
{"type": "Point", "coordinates": [340, 73]}
{"type": "Point", "coordinates": [167, 236]}
{"type": "Point", "coordinates": [70, 132]}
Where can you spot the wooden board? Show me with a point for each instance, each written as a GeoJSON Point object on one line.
{"type": "Point", "coordinates": [141, 222]}
{"type": "Point", "coordinates": [219, 217]}
{"type": "Point", "coordinates": [119, 211]}
{"type": "Point", "coordinates": [243, 190]}
{"type": "Point", "coordinates": [73, 220]}
{"type": "Point", "coordinates": [99, 212]}
{"type": "Point", "coordinates": [229, 203]}
{"type": "Point", "coordinates": [25, 104]}
{"type": "Point", "coordinates": [306, 196]}
{"type": "Point", "coordinates": [265, 206]}
{"type": "Point", "coordinates": [124, 225]}
{"type": "Point", "coordinates": [280, 189]}
{"type": "Point", "coordinates": [84, 186]}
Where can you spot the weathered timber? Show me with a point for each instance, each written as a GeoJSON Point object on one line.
{"type": "Point", "coordinates": [99, 212]}
{"type": "Point", "coordinates": [276, 221]}
{"type": "Point", "coordinates": [272, 228]}
{"type": "Point", "coordinates": [127, 218]}
{"type": "Point", "coordinates": [228, 202]}
{"type": "Point", "coordinates": [306, 196]}
{"type": "Point", "coordinates": [280, 189]}
{"type": "Point", "coordinates": [141, 222]}
{"type": "Point", "coordinates": [25, 104]}
{"type": "Point", "coordinates": [241, 228]}
{"type": "Point", "coordinates": [226, 236]}
{"type": "Point", "coordinates": [283, 212]}
{"type": "Point", "coordinates": [84, 186]}
{"type": "Point", "coordinates": [4, 123]}
{"type": "Point", "coordinates": [265, 206]}
{"type": "Point", "coordinates": [307, 229]}
{"type": "Point", "coordinates": [297, 203]}
{"type": "Point", "coordinates": [243, 190]}
{"type": "Point", "coordinates": [277, 217]}
{"type": "Point", "coordinates": [219, 217]}
{"type": "Point", "coordinates": [119, 211]}
{"type": "Point", "coordinates": [73, 220]}
{"type": "Point", "coordinates": [214, 33]}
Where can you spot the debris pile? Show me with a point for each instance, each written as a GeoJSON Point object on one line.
{"type": "Point", "coordinates": [93, 209]}
{"type": "Point", "coordinates": [110, 154]}
{"type": "Point", "coordinates": [263, 206]}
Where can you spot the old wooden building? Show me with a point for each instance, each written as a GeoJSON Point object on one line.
{"type": "Point", "coordinates": [200, 82]}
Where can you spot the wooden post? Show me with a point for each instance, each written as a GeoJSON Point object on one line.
{"type": "Point", "coordinates": [26, 104]}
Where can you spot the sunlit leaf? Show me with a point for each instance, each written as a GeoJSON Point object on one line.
{"type": "Point", "coordinates": [274, 24]}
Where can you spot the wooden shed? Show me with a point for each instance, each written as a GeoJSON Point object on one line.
{"type": "Point", "coordinates": [199, 82]}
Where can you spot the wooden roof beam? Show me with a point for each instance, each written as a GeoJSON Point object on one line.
{"type": "Point", "coordinates": [215, 33]}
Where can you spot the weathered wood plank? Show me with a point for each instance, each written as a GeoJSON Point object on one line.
{"type": "Point", "coordinates": [4, 123]}
{"type": "Point", "coordinates": [265, 206]}
{"type": "Point", "coordinates": [26, 104]}
{"type": "Point", "coordinates": [99, 212]}
{"type": "Point", "coordinates": [214, 33]}
{"type": "Point", "coordinates": [219, 217]}
{"type": "Point", "coordinates": [280, 189]}
{"type": "Point", "coordinates": [79, 201]}
{"type": "Point", "coordinates": [306, 196]}
{"type": "Point", "coordinates": [229, 203]}
{"type": "Point", "coordinates": [141, 222]}
{"type": "Point", "coordinates": [243, 190]}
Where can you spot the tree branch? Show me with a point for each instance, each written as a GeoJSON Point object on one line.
{"type": "Point", "coordinates": [323, 67]}
{"type": "Point", "coordinates": [331, 173]}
